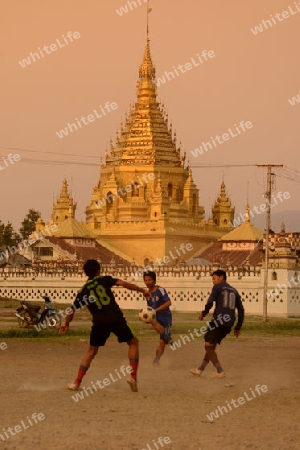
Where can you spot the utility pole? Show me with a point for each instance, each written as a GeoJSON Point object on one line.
{"type": "Point", "coordinates": [268, 215]}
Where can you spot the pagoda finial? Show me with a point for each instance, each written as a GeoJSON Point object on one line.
{"type": "Point", "coordinates": [147, 69]}
{"type": "Point", "coordinates": [247, 215]}
{"type": "Point", "coordinates": [64, 191]}
{"type": "Point", "coordinates": [149, 9]}
{"type": "Point", "coordinates": [223, 191]}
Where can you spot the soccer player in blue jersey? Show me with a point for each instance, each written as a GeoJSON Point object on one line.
{"type": "Point", "coordinates": [108, 318]}
{"type": "Point", "coordinates": [227, 300]}
{"type": "Point", "coordinates": [160, 301]}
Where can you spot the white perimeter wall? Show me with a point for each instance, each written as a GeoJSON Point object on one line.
{"type": "Point", "coordinates": [188, 291]}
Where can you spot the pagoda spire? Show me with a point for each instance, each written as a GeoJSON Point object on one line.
{"type": "Point", "coordinates": [64, 191]}
{"type": "Point", "coordinates": [147, 69]}
{"type": "Point", "coordinates": [247, 215]}
{"type": "Point", "coordinates": [64, 206]}
{"type": "Point", "coordinates": [223, 211]}
{"type": "Point", "coordinates": [145, 138]}
{"type": "Point", "coordinates": [146, 85]}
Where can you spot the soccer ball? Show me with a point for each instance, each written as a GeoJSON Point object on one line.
{"type": "Point", "coordinates": [146, 315]}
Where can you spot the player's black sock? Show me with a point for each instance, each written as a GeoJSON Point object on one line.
{"type": "Point", "coordinates": [218, 367]}
{"type": "Point", "coordinates": [203, 365]}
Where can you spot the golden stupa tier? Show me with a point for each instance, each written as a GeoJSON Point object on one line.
{"type": "Point", "coordinates": [146, 138]}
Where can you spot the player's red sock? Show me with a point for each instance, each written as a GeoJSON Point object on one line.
{"type": "Point", "coordinates": [81, 372]}
{"type": "Point", "coordinates": [134, 364]}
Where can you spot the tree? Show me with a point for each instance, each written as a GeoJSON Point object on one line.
{"type": "Point", "coordinates": [28, 224]}
{"type": "Point", "coordinates": [8, 236]}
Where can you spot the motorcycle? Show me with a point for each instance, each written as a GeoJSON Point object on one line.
{"type": "Point", "coordinates": [31, 314]}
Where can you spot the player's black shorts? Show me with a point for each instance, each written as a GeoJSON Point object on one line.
{"type": "Point", "coordinates": [216, 334]}
{"type": "Point", "coordinates": [100, 333]}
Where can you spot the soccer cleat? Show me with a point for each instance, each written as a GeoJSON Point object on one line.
{"type": "Point", "coordinates": [196, 372]}
{"type": "Point", "coordinates": [218, 375]}
{"type": "Point", "coordinates": [133, 384]}
{"type": "Point", "coordinates": [73, 386]}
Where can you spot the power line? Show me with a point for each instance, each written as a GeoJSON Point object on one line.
{"type": "Point", "coordinates": [48, 152]}
{"type": "Point", "coordinates": [205, 166]}
{"type": "Point", "coordinates": [284, 172]}
{"type": "Point", "coordinates": [43, 161]}
{"type": "Point", "coordinates": [289, 173]}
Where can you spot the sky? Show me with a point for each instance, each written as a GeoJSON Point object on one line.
{"type": "Point", "coordinates": [250, 79]}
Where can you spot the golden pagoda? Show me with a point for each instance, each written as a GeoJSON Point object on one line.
{"type": "Point", "coordinates": [223, 211]}
{"type": "Point", "coordinates": [64, 206]}
{"type": "Point", "coordinates": [146, 203]}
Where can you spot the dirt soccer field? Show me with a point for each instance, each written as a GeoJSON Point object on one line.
{"type": "Point", "coordinates": [172, 410]}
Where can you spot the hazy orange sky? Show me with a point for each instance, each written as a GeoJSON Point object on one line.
{"type": "Point", "coordinates": [250, 78]}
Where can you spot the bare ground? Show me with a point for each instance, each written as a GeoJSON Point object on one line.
{"type": "Point", "coordinates": [170, 402]}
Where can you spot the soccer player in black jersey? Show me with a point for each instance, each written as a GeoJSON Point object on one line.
{"type": "Point", "coordinates": [227, 300]}
{"type": "Point", "coordinates": [108, 318]}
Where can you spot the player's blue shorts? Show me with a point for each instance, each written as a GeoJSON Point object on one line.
{"type": "Point", "coordinates": [167, 324]}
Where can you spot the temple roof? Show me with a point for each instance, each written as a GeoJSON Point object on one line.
{"type": "Point", "coordinates": [71, 228]}
{"type": "Point", "coordinates": [98, 252]}
{"type": "Point", "coordinates": [216, 254]}
{"type": "Point", "coordinates": [248, 235]}
{"type": "Point", "coordinates": [244, 232]}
